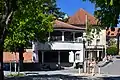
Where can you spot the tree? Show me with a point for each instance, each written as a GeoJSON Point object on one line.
{"type": "Point", "coordinates": [112, 50]}
{"type": "Point", "coordinates": [92, 32]}
{"type": "Point", "coordinates": [107, 11]}
{"type": "Point", "coordinates": [22, 21]}
{"type": "Point", "coordinates": [7, 7]}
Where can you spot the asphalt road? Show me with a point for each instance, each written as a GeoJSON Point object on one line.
{"type": "Point", "coordinates": [111, 72]}
{"type": "Point", "coordinates": [69, 74]}
{"type": "Point", "coordinates": [112, 68]}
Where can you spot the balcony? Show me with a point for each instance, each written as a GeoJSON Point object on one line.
{"type": "Point", "coordinates": [61, 40]}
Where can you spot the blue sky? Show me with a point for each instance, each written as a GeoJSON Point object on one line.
{"type": "Point", "coordinates": [71, 6]}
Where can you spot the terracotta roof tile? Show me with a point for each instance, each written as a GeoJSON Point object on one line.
{"type": "Point", "coordinates": [63, 25]}
{"type": "Point", "coordinates": [80, 18]}
{"type": "Point", "coordinates": [111, 33]}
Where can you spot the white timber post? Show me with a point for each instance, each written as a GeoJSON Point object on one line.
{"type": "Point", "coordinates": [98, 54]}
{"type": "Point", "coordinates": [73, 36]}
{"type": "Point", "coordinates": [62, 35]}
{"type": "Point", "coordinates": [48, 36]}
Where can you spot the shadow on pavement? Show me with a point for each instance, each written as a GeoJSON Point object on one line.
{"type": "Point", "coordinates": [61, 77]}
{"type": "Point", "coordinates": [48, 77]}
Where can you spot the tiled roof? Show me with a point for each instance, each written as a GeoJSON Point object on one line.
{"type": "Point", "coordinates": [10, 57]}
{"type": "Point", "coordinates": [79, 18]}
{"type": "Point", "coordinates": [63, 25]}
{"type": "Point", "coordinates": [112, 32]}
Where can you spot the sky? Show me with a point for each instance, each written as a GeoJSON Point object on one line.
{"type": "Point", "coordinates": [72, 6]}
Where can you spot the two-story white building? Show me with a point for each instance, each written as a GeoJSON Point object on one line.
{"type": "Point", "coordinates": [97, 47]}
{"type": "Point", "coordinates": [65, 44]}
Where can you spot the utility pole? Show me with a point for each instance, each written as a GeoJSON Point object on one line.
{"type": "Point", "coordinates": [84, 53]}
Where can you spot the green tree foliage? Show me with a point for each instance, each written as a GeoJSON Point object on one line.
{"type": "Point", "coordinates": [31, 21]}
{"type": "Point", "coordinates": [113, 42]}
{"type": "Point", "coordinates": [25, 20]}
{"type": "Point", "coordinates": [111, 50]}
{"type": "Point", "coordinates": [107, 11]}
{"type": "Point", "coordinates": [92, 32]}
{"type": "Point", "coordinates": [7, 7]}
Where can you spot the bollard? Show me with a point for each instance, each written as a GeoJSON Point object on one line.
{"type": "Point", "coordinates": [10, 67]}
{"type": "Point", "coordinates": [79, 70]}
{"type": "Point", "coordinates": [15, 67]}
{"type": "Point", "coordinates": [99, 70]}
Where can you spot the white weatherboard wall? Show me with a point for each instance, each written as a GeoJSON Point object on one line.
{"type": "Point", "coordinates": [59, 46]}
{"type": "Point", "coordinates": [71, 57]}
{"type": "Point", "coordinates": [101, 37]}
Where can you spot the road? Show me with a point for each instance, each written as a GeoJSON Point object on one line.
{"type": "Point", "coordinates": [109, 72]}
{"type": "Point", "coordinates": [112, 68]}
{"type": "Point", "coordinates": [69, 74]}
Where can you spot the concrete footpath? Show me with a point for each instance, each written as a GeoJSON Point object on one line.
{"type": "Point", "coordinates": [96, 75]}
{"type": "Point", "coordinates": [61, 72]}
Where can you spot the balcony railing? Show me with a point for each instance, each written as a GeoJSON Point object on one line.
{"type": "Point", "coordinates": [66, 39]}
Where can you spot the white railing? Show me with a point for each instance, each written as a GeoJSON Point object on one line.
{"type": "Point", "coordinates": [95, 46]}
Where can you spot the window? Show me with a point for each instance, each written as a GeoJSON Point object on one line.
{"type": "Point", "coordinates": [68, 36]}
{"type": "Point", "coordinates": [56, 36]}
{"type": "Point", "coordinates": [77, 57]}
{"type": "Point", "coordinates": [98, 40]}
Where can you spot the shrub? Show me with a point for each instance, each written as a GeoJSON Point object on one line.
{"type": "Point", "coordinates": [112, 50]}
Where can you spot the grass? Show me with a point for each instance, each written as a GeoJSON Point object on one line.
{"type": "Point", "coordinates": [15, 75]}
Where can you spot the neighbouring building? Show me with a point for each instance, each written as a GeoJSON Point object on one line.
{"type": "Point", "coordinates": [96, 48]}
{"type": "Point", "coordinates": [113, 34]}
{"type": "Point", "coordinates": [11, 57]}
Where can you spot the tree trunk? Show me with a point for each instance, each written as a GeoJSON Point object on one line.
{"type": "Point", "coordinates": [7, 13]}
{"type": "Point", "coordinates": [21, 58]}
{"type": "Point", "coordinates": [1, 61]}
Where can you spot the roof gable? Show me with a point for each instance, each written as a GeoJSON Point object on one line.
{"type": "Point", "coordinates": [79, 18]}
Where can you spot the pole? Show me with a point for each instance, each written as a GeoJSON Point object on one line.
{"type": "Point", "coordinates": [42, 57]}
{"type": "Point", "coordinates": [105, 44]}
{"type": "Point", "coordinates": [85, 63]}
{"type": "Point", "coordinates": [86, 17]}
{"type": "Point", "coordinates": [85, 66]}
